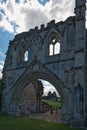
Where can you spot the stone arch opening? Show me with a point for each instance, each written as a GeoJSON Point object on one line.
{"type": "Point", "coordinates": [28, 78]}
{"type": "Point", "coordinates": [32, 100]}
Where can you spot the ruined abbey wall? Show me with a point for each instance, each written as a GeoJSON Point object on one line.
{"type": "Point", "coordinates": [55, 53]}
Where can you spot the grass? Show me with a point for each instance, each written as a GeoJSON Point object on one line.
{"type": "Point", "coordinates": [8, 122]}
{"type": "Point", "coordinates": [52, 103]}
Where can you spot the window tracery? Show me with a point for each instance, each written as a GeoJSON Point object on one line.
{"type": "Point", "coordinates": [54, 47]}
{"type": "Point", "coordinates": [23, 53]}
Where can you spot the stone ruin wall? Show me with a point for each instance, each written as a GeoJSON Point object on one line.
{"type": "Point", "coordinates": [36, 42]}
{"type": "Point", "coordinates": [67, 66]}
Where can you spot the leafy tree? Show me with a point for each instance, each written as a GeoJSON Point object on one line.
{"type": "Point", "coordinates": [52, 96]}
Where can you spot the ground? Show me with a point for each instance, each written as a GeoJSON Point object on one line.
{"type": "Point", "coordinates": [55, 117]}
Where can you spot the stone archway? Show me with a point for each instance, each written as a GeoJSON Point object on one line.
{"type": "Point", "coordinates": [29, 77]}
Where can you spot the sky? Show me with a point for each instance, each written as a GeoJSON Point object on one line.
{"type": "Point", "coordinates": [48, 87]}
{"type": "Point", "coordinates": [18, 16]}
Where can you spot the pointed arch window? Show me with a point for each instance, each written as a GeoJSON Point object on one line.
{"type": "Point", "coordinates": [54, 47]}
{"type": "Point", "coordinates": [50, 49]}
{"type": "Point", "coordinates": [57, 48]}
{"type": "Point", "coordinates": [23, 56]}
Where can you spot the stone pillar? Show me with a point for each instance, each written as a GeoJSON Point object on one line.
{"type": "Point", "coordinates": [79, 88]}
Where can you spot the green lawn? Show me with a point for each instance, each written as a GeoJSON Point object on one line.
{"type": "Point", "coordinates": [52, 103]}
{"type": "Point", "coordinates": [8, 122]}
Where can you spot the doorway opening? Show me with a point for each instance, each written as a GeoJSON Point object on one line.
{"type": "Point", "coordinates": [41, 98]}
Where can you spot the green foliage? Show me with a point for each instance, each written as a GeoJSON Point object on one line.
{"type": "Point", "coordinates": [52, 103]}
{"type": "Point", "coordinates": [24, 123]}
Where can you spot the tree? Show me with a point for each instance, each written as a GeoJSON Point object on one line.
{"type": "Point", "coordinates": [52, 96]}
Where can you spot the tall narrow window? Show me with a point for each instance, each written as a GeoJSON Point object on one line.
{"type": "Point", "coordinates": [26, 56]}
{"type": "Point", "coordinates": [51, 49]}
{"type": "Point", "coordinates": [57, 48]}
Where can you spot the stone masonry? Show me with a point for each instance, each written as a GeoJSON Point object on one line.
{"type": "Point", "coordinates": [56, 53]}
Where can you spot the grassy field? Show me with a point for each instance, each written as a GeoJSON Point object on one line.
{"type": "Point", "coordinates": [52, 103]}
{"type": "Point", "coordinates": [8, 122]}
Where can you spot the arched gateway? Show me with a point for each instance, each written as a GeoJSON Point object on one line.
{"type": "Point", "coordinates": [56, 53]}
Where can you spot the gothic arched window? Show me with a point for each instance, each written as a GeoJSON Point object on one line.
{"type": "Point", "coordinates": [57, 48]}
{"type": "Point", "coordinates": [23, 56]}
{"type": "Point", "coordinates": [50, 49]}
{"type": "Point", "coordinates": [54, 47]}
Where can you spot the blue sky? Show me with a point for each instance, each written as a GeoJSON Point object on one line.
{"type": "Point", "coordinates": [17, 16]}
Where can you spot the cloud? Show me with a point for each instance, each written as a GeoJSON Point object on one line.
{"type": "Point", "coordinates": [10, 7]}
{"type": "Point", "coordinates": [27, 14]}
{"type": "Point", "coordinates": [34, 18]}
{"type": "Point", "coordinates": [1, 68]}
{"type": "Point", "coordinates": [48, 87]}
{"type": "Point", "coordinates": [43, 2]}
{"type": "Point", "coordinates": [51, 88]}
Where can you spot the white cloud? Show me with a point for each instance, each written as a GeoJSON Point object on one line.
{"type": "Point", "coordinates": [1, 68]}
{"type": "Point", "coordinates": [51, 88]}
{"type": "Point", "coordinates": [6, 25]}
{"type": "Point", "coordinates": [32, 13]}
{"type": "Point", "coordinates": [48, 87]}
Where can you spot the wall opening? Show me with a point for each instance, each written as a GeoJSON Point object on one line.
{"type": "Point", "coordinates": [54, 47]}
{"type": "Point", "coordinates": [23, 56]}
{"type": "Point", "coordinates": [26, 56]}
{"type": "Point", "coordinates": [40, 96]}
